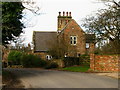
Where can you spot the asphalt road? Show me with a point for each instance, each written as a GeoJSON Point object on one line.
{"type": "Point", "coordinates": [37, 78]}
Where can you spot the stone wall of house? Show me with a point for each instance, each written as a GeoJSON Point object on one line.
{"type": "Point", "coordinates": [105, 63]}
{"type": "Point", "coordinates": [73, 29]}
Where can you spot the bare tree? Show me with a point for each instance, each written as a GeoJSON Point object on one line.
{"type": "Point", "coordinates": [18, 42]}
{"type": "Point", "coordinates": [59, 47]}
{"type": "Point", "coordinates": [32, 6]}
{"type": "Point", "coordinates": [113, 1]}
{"type": "Point", "coordinates": [106, 25]}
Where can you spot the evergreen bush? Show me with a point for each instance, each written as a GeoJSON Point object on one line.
{"type": "Point", "coordinates": [26, 60]}
{"type": "Point", "coordinates": [29, 60]}
{"type": "Point", "coordinates": [14, 57]}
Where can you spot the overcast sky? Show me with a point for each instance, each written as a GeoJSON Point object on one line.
{"type": "Point", "coordinates": [47, 20]}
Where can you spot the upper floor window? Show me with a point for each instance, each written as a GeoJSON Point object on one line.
{"type": "Point", "coordinates": [73, 40]}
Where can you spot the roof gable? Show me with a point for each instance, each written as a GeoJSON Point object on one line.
{"type": "Point", "coordinates": [72, 24]}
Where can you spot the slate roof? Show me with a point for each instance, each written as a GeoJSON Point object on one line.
{"type": "Point", "coordinates": [42, 40]}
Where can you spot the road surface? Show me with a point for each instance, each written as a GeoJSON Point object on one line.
{"type": "Point", "coordinates": [38, 78]}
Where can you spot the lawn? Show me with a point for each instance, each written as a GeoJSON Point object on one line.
{"type": "Point", "coordinates": [76, 68]}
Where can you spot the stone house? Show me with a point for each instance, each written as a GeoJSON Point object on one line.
{"type": "Point", "coordinates": [68, 34]}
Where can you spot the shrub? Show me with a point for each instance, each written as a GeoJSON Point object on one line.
{"type": "Point", "coordinates": [11, 56]}
{"type": "Point", "coordinates": [29, 60]}
{"type": "Point", "coordinates": [25, 60]}
{"type": "Point", "coordinates": [51, 65]}
{"type": "Point", "coordinates": [38, 62]}
{"type": "Point", "coordinates": [14, 57]}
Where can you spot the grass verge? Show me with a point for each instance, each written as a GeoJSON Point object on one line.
{"type": "Point", "coordinates": [76, 68]}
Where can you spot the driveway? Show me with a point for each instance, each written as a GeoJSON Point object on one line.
{"type": "Point", "coordinates": [38, 78]}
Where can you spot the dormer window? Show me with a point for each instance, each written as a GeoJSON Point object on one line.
{"type": "Point", "coordinates": [73, 40]}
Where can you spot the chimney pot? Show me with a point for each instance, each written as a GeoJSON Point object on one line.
{"type": "Point", "coordinates": [66, 13]}
{"type": "Point", "coordinates": [63, 13]}
{"type": "Point", "coordinates": [59, 13]}
{"type": "Point", "coordinates": [70, 14]}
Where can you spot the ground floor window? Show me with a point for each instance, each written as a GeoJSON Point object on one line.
{"type": "Point", "coordinates": [87, 45]}
{"type": "Point", "coordinates": [78, 55]}
{"type": "Point", "coordinates": [48, 57]}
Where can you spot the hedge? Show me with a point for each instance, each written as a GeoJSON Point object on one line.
{"type": "Point", "coordinates": [14, 57]}
{"type": "Point", "coordinates": [82, 60]}
{"type": "Point", "coordinates": [70, 61]}
{"type": "Point", "coordinates": [27, 60]}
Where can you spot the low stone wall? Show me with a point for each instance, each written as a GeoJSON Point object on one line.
{"type": "Point", "coordinates": [105, 63]}
{"type": "Point", "coordinates": [59, 62]}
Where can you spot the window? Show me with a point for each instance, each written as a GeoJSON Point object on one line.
{"type": "Point", "coordinates": [73, 28]}
{"type": "Point", "coordinates": [87, 45]}
{"type": "Point", "coordinates": [78, 55]}
{"type": "Point", "coordinates": [66, 54]}
{"type": "Point", "coordinates": [48, 57]}
{"type": "Point", "coordinates": [73, 40]}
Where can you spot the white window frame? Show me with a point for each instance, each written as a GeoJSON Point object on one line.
{"type": "Point", "coordinates": [48, 57]}
{"type": "Point", "coordinates": [73, 39]}
{"type": "Point", "coordinates": [78, 54]}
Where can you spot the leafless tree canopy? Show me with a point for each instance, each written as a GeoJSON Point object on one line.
{"type": "Point", "coordinates": [106, 25]}
{"type": "Point", "coordinates": [32, 6]}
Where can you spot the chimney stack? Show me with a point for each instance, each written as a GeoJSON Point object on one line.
{"type": "Point", "coordinates": [59, 13]}
{"type": "Point", "coordinates": [70, 14]}
{"type": "Point", "coordinates": [63, 13]}
{"type": "Point", "coordinates": [66, 13]}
